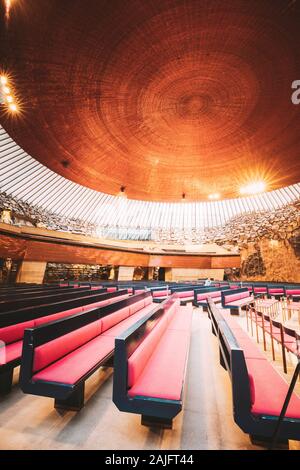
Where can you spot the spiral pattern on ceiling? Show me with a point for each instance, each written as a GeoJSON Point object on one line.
{"type": "Point", "coordinates": [163, 97]}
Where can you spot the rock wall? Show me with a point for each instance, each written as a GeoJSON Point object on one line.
{"type": "Point", "coordinates": [269, 243]}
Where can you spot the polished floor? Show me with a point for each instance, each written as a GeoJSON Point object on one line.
{"type": "Point", "coordinates": [29, 422]}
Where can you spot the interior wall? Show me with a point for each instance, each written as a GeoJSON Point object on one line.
{"type": "Point", "coordinates": [32, 271]}
{"type": "Point", "coordinates": [125, 273]}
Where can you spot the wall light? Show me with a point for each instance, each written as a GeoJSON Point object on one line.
{"type": "Point", "coordinates": [7, 96]}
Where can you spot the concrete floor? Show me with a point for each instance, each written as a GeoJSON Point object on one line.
{"type": "Point", "coordinates": [29, 422]}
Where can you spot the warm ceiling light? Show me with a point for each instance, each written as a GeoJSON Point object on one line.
{"type": "Point", "coordinates": [9, 99]}
{"type": "Point", "coordinates": [6, 90]}
{"type": "Point", "coordinates": [214, 196]}
{"type": "Point", "coordinates": [13, 108]}
{"type": "Point", "coordinates": [253, 188]}
{"type": "Point", "coordinates": [3, 80]}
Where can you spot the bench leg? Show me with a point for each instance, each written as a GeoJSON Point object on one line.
{"type": "Point", "coordinates": [234, 311]}
{"type": "Point", "coordinates": [74, 402]}
{"type": "Point", "coordinates": [266, 441]}
{"type": "Point", "coordinates": [153, 421]}
{"type": "Point", "coordinates": [6, 379]}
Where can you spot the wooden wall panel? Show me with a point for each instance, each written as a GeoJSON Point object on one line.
{"type": "Point", "coordinates": [12, 247]}
{"type": "Point", "coordinates": [14, 244]}
{"type": "Point", "coordinates": [39, 251]}
{"type": "Point", "coordinates": [222, 262]}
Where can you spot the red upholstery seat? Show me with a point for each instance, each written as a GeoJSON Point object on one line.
{"type": "Point", "coordinates": [212, 295]}
{"type": "Point", "coordinates": [182, 320]}
{"type": "Point", "coordinates": [111, 289]}
{"type": "Point", "coordinates": [270, 390]}
{"type": "Point", "coordinates": [184, 294]}
{"type": "Point", "coordinates": [125, 324]}
{"type": "Point", "coordinates": [295, 292]}
{"type": "Point", "coordinates": [136, 306]}
{"type": "Point", "coordinates": [12, 333]}
{"type": "Point", "coordinates": [114, 318]}
{"type": "Point", "coordinates": [276, 291]}
{"type": "Point", "coordinates": [59, 347]}
{"type": "Point", "coordinates": [10, 352]}
{"type": "Point", "coordinates": [75, 365]}
{"type": "Point", "coordinates": [158, 379]}
{"type": "Point", "coordinates": [160, 293]}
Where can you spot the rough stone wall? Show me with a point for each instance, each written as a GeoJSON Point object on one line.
{"type": "Point", "coordinates": [269, 243]}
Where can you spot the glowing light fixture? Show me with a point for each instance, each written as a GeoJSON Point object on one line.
{"type": "Point", "coordinates": [3, 80]}
{"type": "Point", "coordinates": [7, 97]}
{"type": "Point", "coordinates": [253, 188]}
{"type": "Point", "coordinates": [214, 196]}
{"type": "Point", "coordinates": [13, 107]}
{"type": "Point", "coordinates": [7, 8]}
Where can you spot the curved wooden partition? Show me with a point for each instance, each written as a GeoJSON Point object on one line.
{"type": "Point", "coordinates": [34, 244]}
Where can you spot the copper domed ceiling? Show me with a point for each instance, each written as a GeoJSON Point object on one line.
{"type": "Point", "coordinates": [163, 97]}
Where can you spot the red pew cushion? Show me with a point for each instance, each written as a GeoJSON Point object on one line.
{"type": "Point", "coordinates": [136, 306]}
{"type": "Point", "coordinates": [123, 325]}
{"type": "Point", "coordinates": [12, 333]}
{"type": "Point", "coordinates": [148, 300]}
{"type": "Point", "coordinates": [114, 318]}
{"type": "Point", "coordinates": [59, 347]}
{"type": "Point", "coordinates": [184, 294]}
{"type": "Point", "coordinates": [138, 360]}
{"type": "Point", "coordinates": [10, 352]}
{"type": "Point", "coordinates": [182, 320]}
{"type": "Point", "coordinates": [293, 292]}
{"type": "Point", "coordinates": [111, 289]}
{"type": "Point", "coordinates": [212, 294]}
{"type": "Point", "coordinates": [260, 290]}
{"type": "Point", "coordinates": [76, 364]}
{"type": "Point", "coordinates": [158, 379]}
{"type": "Point", "coordinates": [276, 291]}
{"type": "Point", "coordinates": [160, 293]}
{"type": "Point", "coordinates": [270, 390]}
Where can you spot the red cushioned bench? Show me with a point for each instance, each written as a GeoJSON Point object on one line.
{"type": "Point", "coordinates": [13, 324]}
{"type": "Point", "coordinates": [258, 390]}
{"type": "Point", "coordinates": [201, 296]}
{"type": "Point", "coordinates": [292, 292]}
{"type": "Point", "coordinates": [150, 364]}
{"type": "Point", "coordinates": [260, 290]}
{"type": "Point", "coordinates": [160, 294]}
{"type": "Point", "coordinates": [275, 291]}
{"type": "Point", "coordinates": [185, 294]}
{"type": "Point", "coordinates": [10, 305]}
{"type": "Point", "coordinates": [58, 357]}
{"type": "Point", "coordinates": [236, 299]}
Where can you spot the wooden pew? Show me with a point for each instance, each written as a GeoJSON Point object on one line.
{"type": "Point", "coordinates": [258, 390]}
{"type": "Point", "coordinates": [58, 357]}
{"type": "Point", "coordinates": [150, 364]}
